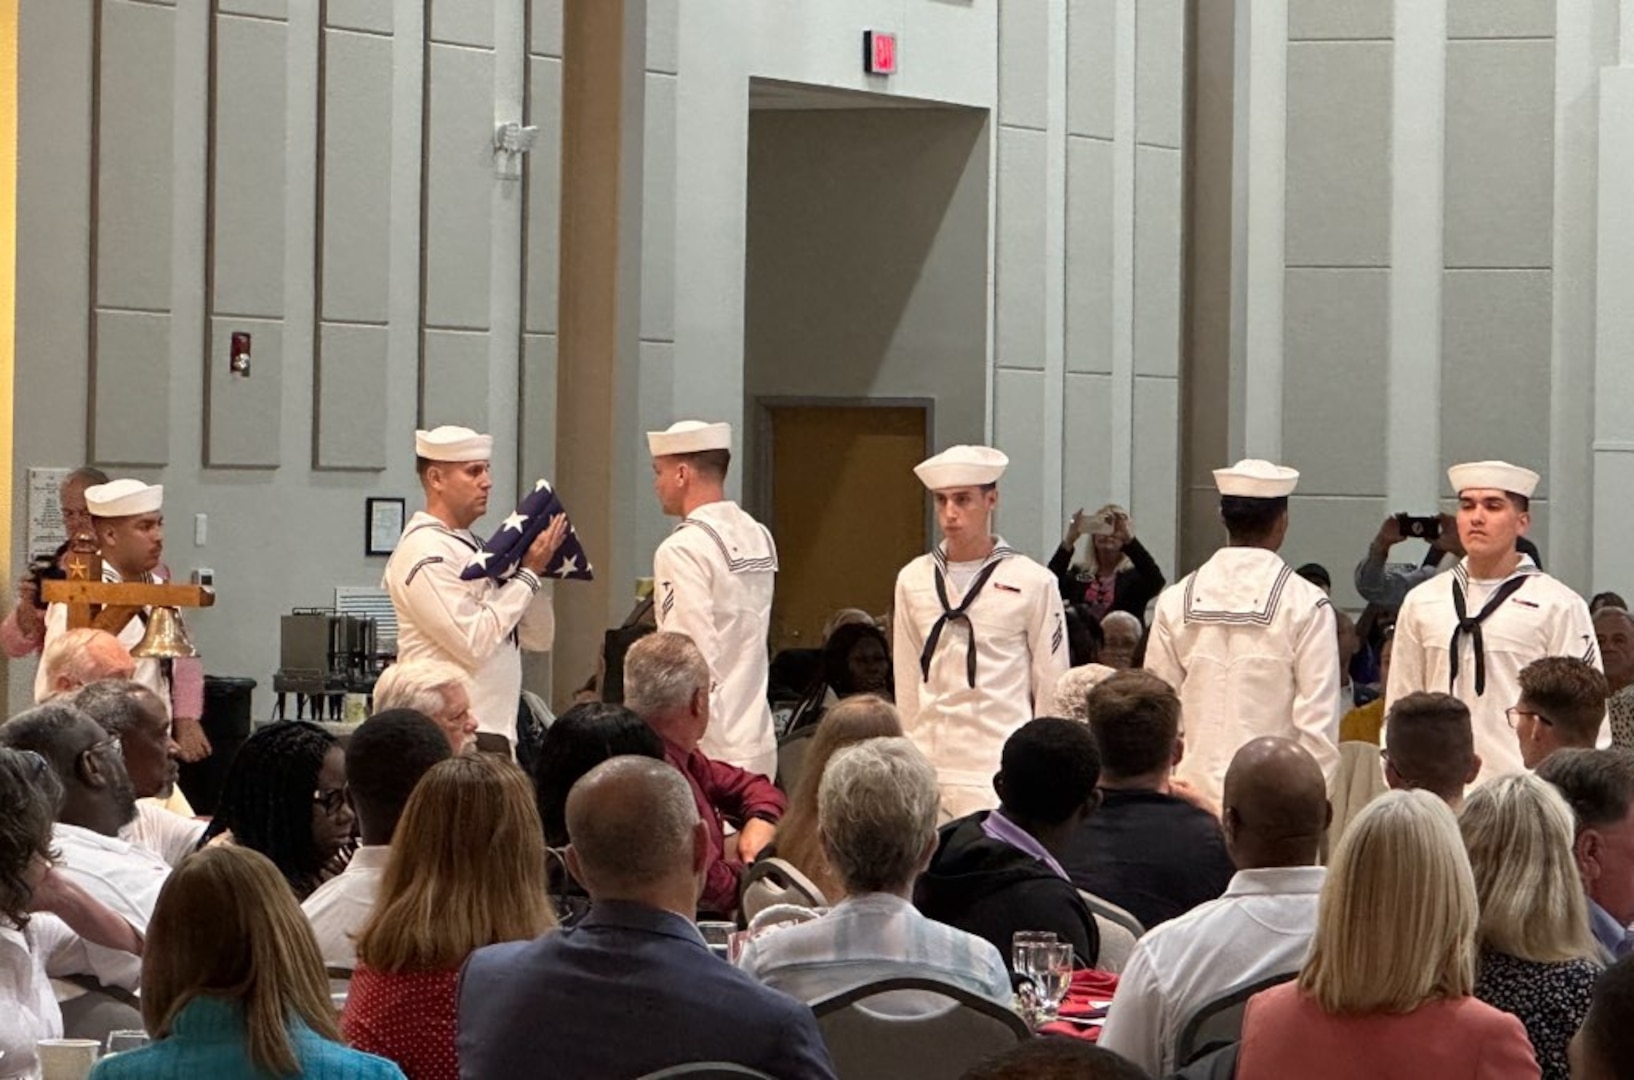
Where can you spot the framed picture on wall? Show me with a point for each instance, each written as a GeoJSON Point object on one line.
{"type": "Point", "coordinates": [382, 525]}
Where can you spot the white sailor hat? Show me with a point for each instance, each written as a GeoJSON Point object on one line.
{"type": "Point", "coordinates": [124, 498]}
{"type": "Point", "coordinates": [962, 466]}
{"type": "Point", "coordinates": [449, 443]}
{"type": "Point", "coordinates": [1496, 475]}
{"type": "Point", "coordinates": [689, 437]}
{"type": "Point", "coordinates": [1253, 478]}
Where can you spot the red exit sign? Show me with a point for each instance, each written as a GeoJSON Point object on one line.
{"type": "Point", "coordinates": [879, 52]}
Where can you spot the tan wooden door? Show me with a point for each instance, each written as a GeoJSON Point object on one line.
{"type": "Point", "coordinates": [847, 511]}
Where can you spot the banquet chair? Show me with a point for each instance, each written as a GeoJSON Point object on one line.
{"type": "Point", "coordinates": [1106, 909]}
{"type": "Point", "coordinates": [1219, 1020]}
{"type": "Point", "coordinates": [939, 1045]}
{"type": "Point", "coordinates": [707, 1070]}
{"type": "Point", "coordinates": [1117, 944]}
{"type": "Point", "coordinates": [775, 881]}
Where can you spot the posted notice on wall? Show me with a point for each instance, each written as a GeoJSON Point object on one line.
{"type": "Point", "coordinates": [46, 529]}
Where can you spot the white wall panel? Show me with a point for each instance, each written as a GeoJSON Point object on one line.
{"type": "Point", "coordinates": [1089, 256]}
{"type": "Point", "coordinates": [1159, 216]}
{"type": "Point", "coordinates": [1334, 532]}
{"type": "Point", "coordinates": [1156, 468]}
{"type": "Point", "coordinates": [1019, 273]}
{"type": "Point", "coordinates": [1339, 154]}
{"type": "Point", "coordinates": [1502, 18]}
{"type": "Point", "coordinates": [544, 193]}
{"type": "Point", "coordinates": [1160, 72]}
{"type": "Point", "coordinates": [247, 227]}
{"type": "Point", "coordinates": [1023, 67]}
{"type": "Point", "coordinates": [130, 389]}
{"type": "Point", "coordinates": [458, 187]}
{"type": "Point", "coordinates": [1086, 453]}
{"type": "Point", "coordinates": [351, 408]}
{"type": "Point", "coordinates": [365, 16]}
{"type": "Point", "coordinates": [658, 212]}
{"type": "Point", "coordinates": [1092, 74]}
{"type": "Point", "coordinates": [242, 427]}
{"type": "Point", "coordinates": [454, 389]}
{"type": "Point", "coordinates": [1326, 20]}
{"type": "Point", "coordinates": [356, 170]}
{"type": "Point", "coordinates": [463, 22]}
{"type": "Point", "coordinates": [1335, 384]}
{"type": "Point", "coordinates": [135, 168]}
{"type": "Point", "coordinates": [1018, 430]}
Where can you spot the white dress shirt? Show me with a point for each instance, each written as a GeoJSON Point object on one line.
{"type": "Point", "coordinates": [339, 907]}
{"type": "Point", "coordinates": [875, 936]}
{"type": "Point", "coordinates": [713, 578]}
{"type": "Point", "coordinates": [1262, 926]}
{"type": "Point", "coordinates": [1543, 618]}
{"type": "Point", "coordinates": [163, 832]}
{"type": "Point", "coordinates": [477, 625]}
{"type": "Point", "coordinates": [1251, 649]}
{"type": "Point", "coordinates": [125, 877]}
{"type": "Point", "coordinates": [28, 1006]}
{"type": "Point", "coordinates": [1021, 652]}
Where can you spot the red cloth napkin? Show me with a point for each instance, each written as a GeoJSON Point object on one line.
{"type": "Point", "coordinates": [1086, 996]}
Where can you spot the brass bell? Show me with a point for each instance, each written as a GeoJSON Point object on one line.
{"type": "Point", "coordinates": [165, 638]}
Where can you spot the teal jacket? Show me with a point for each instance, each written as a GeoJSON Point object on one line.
{"type": "Point", "coordinates": [207, 1040]}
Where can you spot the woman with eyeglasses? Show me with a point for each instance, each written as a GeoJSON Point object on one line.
{"type": "Point", "coordinates": [45, 919]}
{"type": "Point", "coordinates": [444, 896]}
{"type": "Point", "coordinates": [285, 796]}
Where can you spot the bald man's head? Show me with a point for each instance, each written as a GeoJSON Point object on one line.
{"type": "Point", "coordinates": [632, 827]}
{"type": "Point", "coordinates": [1275, 809]}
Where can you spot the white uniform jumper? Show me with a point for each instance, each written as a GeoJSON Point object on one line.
{"type": "Point", "coordinates": [1251, 649]}
{"type": "Point", "coordinates": [713, 578]}
{"type": "Point", "coordinates": [974, 661]}
{"type": "Point", "coordinates": [478, 625]}
{"type": "Point", "coordinates": [1477, 654]}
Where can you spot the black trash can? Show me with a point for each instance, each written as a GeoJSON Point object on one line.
{"type": "Point", "coordinates": [226, 723]}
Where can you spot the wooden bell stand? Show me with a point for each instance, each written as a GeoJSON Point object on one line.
{"type": "Point", "coordinates": [111, 605]}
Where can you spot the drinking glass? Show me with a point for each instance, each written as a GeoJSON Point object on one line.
{"type": "Point", "coordinates": [718, 936]}
{"type": "Point", "coordinates": [120, 1041]}
{"type": "Point", "coordinates": [1021, 946]}
{"type": "Point", "coordinates": [1052, 974]}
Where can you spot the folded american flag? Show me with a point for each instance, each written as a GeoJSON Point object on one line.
{"type": "Point", "coordinates": [499, 557]}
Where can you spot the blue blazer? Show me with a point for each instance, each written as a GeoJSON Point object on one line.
{"type": "Point", "coordinates": [207, 1040]}
{"type": "Point", "coordinates": [627, 991]}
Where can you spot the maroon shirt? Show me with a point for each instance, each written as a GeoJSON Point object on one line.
{"type": "Point", "coordinates": [724, 793]}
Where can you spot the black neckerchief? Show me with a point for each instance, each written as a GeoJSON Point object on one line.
{"type": "Point", "coordinates": [1472, 627]}
{"type": "Point", "coordinates": [957, 614]}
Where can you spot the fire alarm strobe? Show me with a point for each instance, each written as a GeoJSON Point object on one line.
{"type": "Point", "coordinates": [878, 52]}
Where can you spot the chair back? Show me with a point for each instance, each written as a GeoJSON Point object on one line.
{"type": "Point", "coordinates": [940, 1045]}
{"type": "Point", "coordinates": [99, 1010]}
{"type": "Point", "coordinates": [340, 985]}
{"type": "Point", "coordinates": [1107, 910]}
{"type": "Point", "coordinates": [707, 1070]}
{"type": "Point", "coordinates": [791, 756]}
{"type": "Point", "coordinates": [1220, 1019]}
{"type": "Point", "coordinates": [775, 881]}
{"type": "Point", "coordinates": [1117, 944]}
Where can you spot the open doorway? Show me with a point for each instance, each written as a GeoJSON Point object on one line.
{"type": "Point", "coordinates": [866, 331]}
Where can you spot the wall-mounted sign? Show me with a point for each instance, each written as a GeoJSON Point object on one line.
{"type": "Point", "coordinates": [878, 52]}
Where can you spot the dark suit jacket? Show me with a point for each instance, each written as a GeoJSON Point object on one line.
{"type": "Point", "coordinates": [1132, 589]}
{"type": "Point", "coordinates": [627, 991]}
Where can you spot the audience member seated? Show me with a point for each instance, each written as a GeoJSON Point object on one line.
{"type": "Point", "coordinates": [1429, 745]}
{"type": "Point", "coordinates": [584, 737]}
{"type": "Point", "coordinates": [97, 803]}
{"type": "Point", "coordinates": [666, 683]}
{"type": "Point", "coordinates": [434, 688]}
{"type": "Point", "coordinates": [1121, 574]}
{"type": "Point", "coordinates": [1350, 695]}
{"type": "Point", "coordinates": [1084, 637]}
{"type": "Point", "coordinates": [1276, 811]}
{"type": "Point", "coordinates": [1364, 723]}
{"type": "Point", "coordinates": [877, 810]}
{"type": "Point", "coordinates": [999, 871]}
{"type": "Point", "coordinates": [632, 988]}
{"type": "Point", "coordinates": [285, 796]}
{"type": "Point", "coordinates": [1537, 957]}
{"type": "Point", "coordinates": [77, 658]}
{"type": "Point", "coordinates": [1072, 690]}
{"type": "Point", "coordinates": [1055, 1057]}
{"type": "Point", "coordinates": [1563, 704]}
{"type": "Point", "coordinates": [1606, 599]}
{"type": "Point", "coordinates": [1122, 635]}
{"type": "Point", "coordinates": [465, 871]}
{"type": "Point", "coordinates": [798, 842]}
{"type": "Point", "coordinates": [1388, 988]}
{"type": "Point", "coordinates": [1603, 1048]}
{"type": "Point", "coordinates": [232, 985]}
{"type": "Point", "coordinates": [385, 758]}
{"type": "Point", "coordinates": [137, 717]}
{"type": "Point", "coordinates": [1599, 787]}
{"type": "Point", "coordinates": [1152, 853]}
{"type": "Point", "coordinates": [856, 660]}
{"type": "Point", "coordinates": [1614, 631]}
{"type": "Point", "coordinates": [23, 630]}
{"type": "Point", "coordinates": [45, 919]}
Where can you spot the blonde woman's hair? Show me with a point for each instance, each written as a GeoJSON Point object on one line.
{"type": "Point", "coordinates": [846, 723]}
{"type": "Point", "coordinates": [467, 869]}
{"type": "Point", "coordinates": [1396, 925]}
{"type": "Point", "coordinates": [227, 926]}
{"type": "Point", "coordinates": [1518, 831]}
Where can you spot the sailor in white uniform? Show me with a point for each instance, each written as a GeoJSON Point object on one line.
{"type": "Point", "coordinates": [1470, 631]}
{"type": "Point", "coordinates": [713, 578]}
{"type": "Point", "coordinates": [978, 639]}
{"type": "Point", "coordinates": [1249, 645]}
{"type": "Point", "coordinates": [477, 625]}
